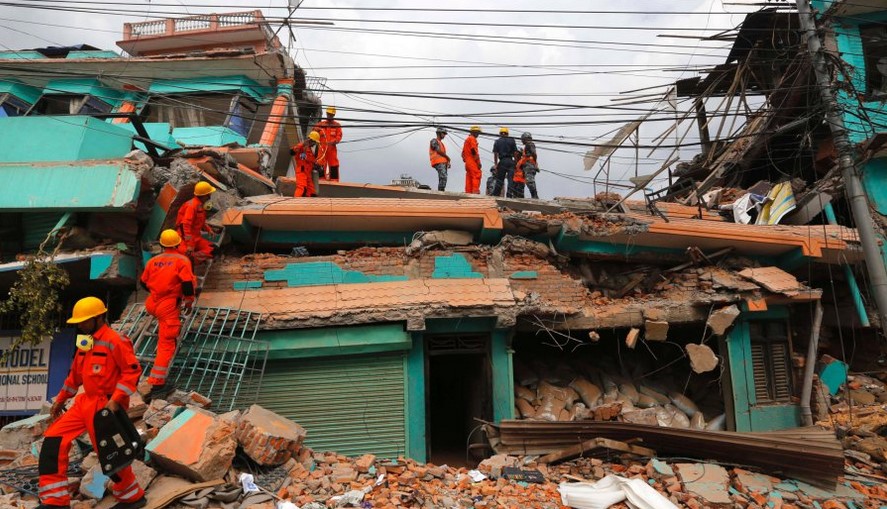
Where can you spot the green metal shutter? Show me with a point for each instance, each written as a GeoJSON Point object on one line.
{"type": "Point", "coordinates": [351, 405]}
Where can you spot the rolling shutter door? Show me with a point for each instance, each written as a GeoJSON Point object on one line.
{"type": "Point", "coordinates": [350, 405]}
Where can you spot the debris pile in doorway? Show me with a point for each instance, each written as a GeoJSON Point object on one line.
{"type": "Point", "coordinates": [653, 401]}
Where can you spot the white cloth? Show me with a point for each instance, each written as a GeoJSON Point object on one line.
{"type": "Point", "coordinates": [612, 490]}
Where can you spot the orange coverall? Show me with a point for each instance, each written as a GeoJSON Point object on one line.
{"type": "Point", "coordinates": [303, 163]}
{"type": "Point", "coordinates": [109, 370]}
{"type": "Point", "coordinates": [169, 278]}
{"type": "Point", "coordinates": [471, 156]}
{"type": "Point", "coordinates": [191, 223]}
{"type": "Point", "coordinates": [330, 134]}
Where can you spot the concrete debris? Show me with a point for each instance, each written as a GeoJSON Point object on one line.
{"type": "Point", "coordinates": [267, 438]}
{"type": "Point", "coordinates": [721, 319]}
{"type": "Point", "coordinates": [195, 445]}
{"type": "Point", "coordinates": [632, 338]}
{"type": "Point", "coordinates": [320, 480]}
{"type": "Point", "coordinates": [21, 434]}
{"type": "Point", "coordinates": [655, 330]}
{"type": "Point", "coordinates": [702, 358]}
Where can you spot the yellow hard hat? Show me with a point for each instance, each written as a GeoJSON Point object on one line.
{"type": "Point", "coordinates": [86, 308]}
{"type": "Point", "coordinates": [331, 109]}
{"type": "Point", "coordinates": [170, 238]}
{"type": "Point", "coordinates": [314, 135]}
{"type": "Point", "coordinates": [203, 189]}
{"type": "Point", "coordinates": [503, 130]}
{"type": "Point", "coordinates": [475, 129]}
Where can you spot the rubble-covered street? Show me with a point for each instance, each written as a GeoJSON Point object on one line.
{"type": "Point", "coordinates": [256, 459]}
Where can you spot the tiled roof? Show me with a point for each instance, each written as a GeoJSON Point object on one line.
{"type": "Point", "coordinates": [319, 301]}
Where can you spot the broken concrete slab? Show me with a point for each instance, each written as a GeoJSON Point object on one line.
{"type": "Point", "coordinates": [721, 319]}
{"type": "Point", "coordinates": [655, 330]}
{"type": "Point", "coordinates": [268, 438]}
{"type": "Point", "coordinates": [753, 481]}
{"type": "Point", "coordinates": [19, 435]}
{"type": "Point", "coordinates": [702, 358]}
{"type": "Point", "coordinates": [195, 445]}
{"type": "Point", "coordinates": [707, 481]}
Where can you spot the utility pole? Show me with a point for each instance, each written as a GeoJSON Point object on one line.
{"type": "Point", "coordinates": [874, 261]}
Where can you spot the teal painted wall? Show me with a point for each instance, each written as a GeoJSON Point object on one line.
{"type": "Point", "coordinates": [454, 266]}
{"type": "Point", "coordinates": [91, 87]}
{"type": "Point", "coordinates": [503, 375]}
{"type": "Point", "coordinates": [49, 138]}
{"type": "Point", "coordinates": [23, 92]}
{"type": "Point", "coordinates": [416, 417]}
{"type": "Point", "coordinates": [335, 341]}
{"type": "Point", "coordinates": [212, 136]}
{"type": "Point", "coordinates": [157, 131]}
{"type": "Point", "coordinates": [748, 415]}
{"type": "Point", "coordinates": [323, 273]}
{"type": "Point", "coordinates": [67, 187]}
{"type": "Point", "coordinates": [215, 84]}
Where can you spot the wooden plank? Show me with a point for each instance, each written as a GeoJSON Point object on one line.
{"type": "Point", "coordinates": [593, 445]}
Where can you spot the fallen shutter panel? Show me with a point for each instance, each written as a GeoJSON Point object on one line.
{"type": "Point", "coordinates": [351, 405]}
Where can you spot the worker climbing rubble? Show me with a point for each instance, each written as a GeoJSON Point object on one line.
{"type": "Point", "coordinates": [108, 370]}
{"type": "Point", "coordinates": [330, 135]}
{"type": "Point", "coordinates": [440, 161]}
{"type": "Point", "coordinates": [528, 166]}
{"type": "Point", "coordinates": [172, 286]}
{"type": "Point", "coordinates": [504, 152]}
{"type": "Point", "coordinates": [304, 159]}
{"type": "Point", "coordinates": [471, 157]}
{"type": "Point", "coordinates": [191, 223]}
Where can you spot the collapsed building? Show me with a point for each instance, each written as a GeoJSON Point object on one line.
{"type": "Point", "coordinates": [396, 321]}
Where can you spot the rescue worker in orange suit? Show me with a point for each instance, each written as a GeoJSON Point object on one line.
{"type": "Point", "coordinates": [191, 223]}
{"type": "Point", "coordinates": [440, 161]}
{"type": "Point", "coordinates": [331, 134]}
{"type": "Point", "coordinates": [108, 370]}
{"type": "Point", "coordinates": [172, 286]}
{"type": "Point", "coordinates": [471, 156]}
{"type": "Point", "coordinates": [304, 158]}
{"type": "Point", "coordinates": [528, 164]}
{"type": "Point", "coordinates": [516, 185]}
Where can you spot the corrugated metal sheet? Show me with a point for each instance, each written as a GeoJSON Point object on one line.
{"type": "Point", "coordinates": [36, 226]}
{"type": "Point", "coordinates": [351, 405]}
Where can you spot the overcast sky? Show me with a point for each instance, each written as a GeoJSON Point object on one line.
{"type": "Point", "coordinates": [566, 68]}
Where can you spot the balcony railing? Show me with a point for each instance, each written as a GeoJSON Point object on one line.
{"type": "Point", "coordinates": [198, 23]}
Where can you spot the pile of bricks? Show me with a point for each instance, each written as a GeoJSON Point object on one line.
{"type": "Point", "coordinates": [319, 480]}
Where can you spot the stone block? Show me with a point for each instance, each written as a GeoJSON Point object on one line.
{"type": "Point", "coordinates": [268, 438]}
{"type": "Point", "coordinates": [195, 445]}
{"type": "Point", "coordinates": [192, 398]}
{"type": "Point", "coordinates": [655, 330]}
{"type": "Point", "coordinates": [159, 413]}
{"type": "Point", "coordinates": [702, 358]}
{"type": "Point", "coordinates": [19, 435]}
{"type": "Point", "coordinates": [93, 483]}
{"type": "Point", "coordinates": [721, 319]}
{"type": "Point", "coordinates": [631, 338]}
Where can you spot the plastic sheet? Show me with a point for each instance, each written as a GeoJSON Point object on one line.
{"type": "Point", "coordinates": [610, 490]}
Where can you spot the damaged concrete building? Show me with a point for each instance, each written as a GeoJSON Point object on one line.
{"type": "Point", "coordinates": [393, 321]}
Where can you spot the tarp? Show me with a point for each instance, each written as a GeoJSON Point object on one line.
{"type": "Point", "coordinates": [610, 490]}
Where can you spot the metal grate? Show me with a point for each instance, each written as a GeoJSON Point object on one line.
{"type": "Point", "coordinates": [26, 479]}
{"type": "Point", "coordinates": [217, 356]}
{"type": "Point", "coordinates": [315, 84]}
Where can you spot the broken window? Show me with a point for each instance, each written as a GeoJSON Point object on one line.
{"type": "Point", "coordinates": [69, 104]}
{"type": "Point", "coordinates": [236, 112]}
{"type": "Point", "coordinates": [874, 50]}
{"type": "Point", "coordinates": [771, 361]}
{"type": "Point", "coordinates": [12, 106]}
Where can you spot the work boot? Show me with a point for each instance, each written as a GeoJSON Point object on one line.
{"type": "Point", "coordinates": [142, 502]}
{"type": "Point", "coordinates": [158, 392]}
